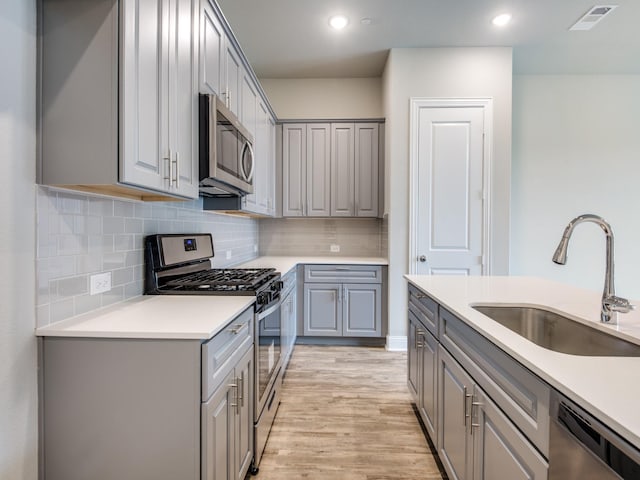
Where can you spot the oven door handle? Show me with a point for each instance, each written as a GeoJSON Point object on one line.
{"type": "Point", "coordinates": [269, 311]}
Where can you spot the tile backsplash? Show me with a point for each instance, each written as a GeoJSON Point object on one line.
{"type": "Point", "coordinates": [314, 236]}
{"type": "Point", "coordinates": [79, 235]}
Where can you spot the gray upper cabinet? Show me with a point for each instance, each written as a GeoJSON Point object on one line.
{"type": "Point", "coordinates": [212, 51]}
{"type": "Point", "coordinates": [330, 170]}
{"type": "Point", "coordinates": [262, 200]}
{"type": "Point", "coordinates": [119, 97]}
{"type": "Point", "coordinates": [305, 170]}
{"type": "Point", "coordinates": [224, 72]}
{"type": "Point", "coordinates": [342, 170]}
{"type": "Point", "coordinates": [294, 167]}
{"type": "Point", "coordinates": [367, 165]}
{"type": "Point", "coordinates": [318, 170]}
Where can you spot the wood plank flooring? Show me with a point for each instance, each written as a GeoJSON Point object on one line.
{"type": "Point", "coordinates": [346, 414]}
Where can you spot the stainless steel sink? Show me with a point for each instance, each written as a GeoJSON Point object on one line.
{"type": "Point", "coordinates": [558, 333]}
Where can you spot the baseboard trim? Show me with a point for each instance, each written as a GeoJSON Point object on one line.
{"type": "Point", "coordinates": [396, 343]}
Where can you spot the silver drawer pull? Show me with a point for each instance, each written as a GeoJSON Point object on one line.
{"type": "Point", "coordinates": [421, 295]}
{"type": "Point", "coordinates": [236, 329]}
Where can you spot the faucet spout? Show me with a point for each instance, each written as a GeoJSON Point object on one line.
{"type": "Point", "coordinates": [610, 303]}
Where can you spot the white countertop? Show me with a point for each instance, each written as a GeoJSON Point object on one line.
{"type": "Point", "coordinates": [284, 264]}
{"type": "Point", "coordinates": [155, 316]}
{"type": "Point", "coordinates": [608, 387]}
{"type": "Point", "coordinates": [179, 316]}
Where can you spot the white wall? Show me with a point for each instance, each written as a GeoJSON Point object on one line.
{"type": "Point", "coordinates": [18, 391]}
{"type": "Point", "coordinates": [576, 149]}
{"type": "Point", "coordinates": [442, 72]}
{"type": "Point", "coordinates": [325, 98]}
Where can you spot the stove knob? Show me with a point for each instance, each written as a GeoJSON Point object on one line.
{"type": "Point", "coordinates": [262, 299]}
{"type": "Point", "coordinates": [277, 286]}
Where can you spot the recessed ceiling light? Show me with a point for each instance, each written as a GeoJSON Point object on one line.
{"type": "Point", "coordinates": [501, 20]}
{"type": "Point", "coordinates": [338, 22]}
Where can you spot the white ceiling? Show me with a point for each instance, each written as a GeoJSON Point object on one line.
{"type": "Point", "coordinates": [292, 39]}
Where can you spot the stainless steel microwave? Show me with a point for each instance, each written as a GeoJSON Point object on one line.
{"type": "Point", "coordinates": [226, 151]}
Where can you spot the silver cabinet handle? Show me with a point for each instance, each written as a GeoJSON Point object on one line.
{"type": "Point", "coordinates": [422, 258]}
{"type": "Point", "coordinates": [474, 404]}
{"type": "Point", "coordinates": [465, 396]}
{"type": "Point", "coordinates": [176, 180]}
{"type": "Point", "coordinates": [235, 394]}
{"type": "Point", "coordinates": [241, 390]}
{"type": "Point", "coordinates": [236, 329]}
{"type": "Point", "coordinates": [168, 160]}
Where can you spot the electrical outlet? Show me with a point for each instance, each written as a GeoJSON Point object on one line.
{"type": "Point", "coordinates": [228, 254]}
{"type": "Point", "coordinates": [334, 248]}
{"type": "Point", "coordinates": [100, 283]}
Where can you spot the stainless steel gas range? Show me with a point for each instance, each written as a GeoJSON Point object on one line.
{"type": "Point", "coordinates": [180, 264]}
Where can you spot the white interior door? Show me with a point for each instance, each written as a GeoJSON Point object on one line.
{"type": "Point", "coordinates": [448, 220]}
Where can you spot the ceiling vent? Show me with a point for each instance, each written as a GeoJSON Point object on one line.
{"type": "Point", "coordinates": [593, 16]}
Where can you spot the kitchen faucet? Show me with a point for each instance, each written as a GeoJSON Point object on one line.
{"type": "Point", "coordinates": [610, 303]}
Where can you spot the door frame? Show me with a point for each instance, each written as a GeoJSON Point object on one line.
{"type": "Point", "coordinates": [415, 104]}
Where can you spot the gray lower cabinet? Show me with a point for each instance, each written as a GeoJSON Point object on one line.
{"type": "Point", "coordinates": [342, 310]}
{"type": "Point", "coordinates": [422, 358]}
{"type": "Point", "coordinates": [227, 425]}
{"type": "Point", "coordinates": [477, 441]}
{"type": "Point", "coordinates": [289, 316]}
{"type": "Point", "coordinates": [158, 409]}
{"type": "Point", "coordinates": [486, 414]}
{"type": "Point", "coordinates": [342, 301]}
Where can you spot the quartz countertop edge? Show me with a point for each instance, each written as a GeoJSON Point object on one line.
{"type": "Point", "coordinates": [284, 264]}
{"type": "Point", "coordinates": [176, 317]}
{"type": "Point", "coordinates": [607, 387]}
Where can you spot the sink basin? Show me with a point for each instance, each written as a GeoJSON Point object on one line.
{"type": "Point", "coordinates": [557, 332]}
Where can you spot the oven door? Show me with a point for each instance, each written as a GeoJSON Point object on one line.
{"type": "Point", "coordinates": [267, 351]}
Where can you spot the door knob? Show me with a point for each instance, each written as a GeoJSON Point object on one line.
{"type": "Point", "coordinates": [422, 258]}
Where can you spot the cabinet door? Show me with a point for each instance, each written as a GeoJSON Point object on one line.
{"type": "Point", "coordinates": [271, 166]}
{"type": "Point", "coordinates": [362, 316]}
{"type": "Point", "coordinates": [318, 179]}
{"type": "Point", "coordinates": [244, 419]}
{"type": "Point", "coordinates": [294, 178]}
{"type": "Point", "coordinates": [218, 432]}
{"type": "Point", "coordinates": [455, 389]}
{"type": "Point", "coordinates": [212, 39]}
{"type": "Point", "coordinates": [249, 119]}
{"type": "Point", "coordinates": [428, 383]}
{"type": "Point", "coordinates": [342, 170]}
{"type": "Point", "coordinates": [366, 170]}
{"type": "Point", "coordinates": [183, 98]}
{"type": "Point", "coordinates": [412, 357]}
{"type": "Point", "coordinates": [144, 159]}
{"type": "Point", "coordinates": [500, 450]}
{"type": "Point", "coordinates": [323, 309]}
{"type": "Point", "coordinates": [233, 78]}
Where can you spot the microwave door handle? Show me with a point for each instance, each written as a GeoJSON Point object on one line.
{"type": "Point", "coordinates": [247, 177]}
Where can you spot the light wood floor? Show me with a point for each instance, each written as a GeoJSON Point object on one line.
{"type": "Point", "coordinates": [346, 414]}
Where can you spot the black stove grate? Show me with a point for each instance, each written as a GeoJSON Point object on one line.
{"type": "Point", "coordinates": [223, 279]}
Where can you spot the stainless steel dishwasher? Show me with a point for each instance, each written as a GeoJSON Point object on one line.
{"type": "Point", "coordinates": [582, 448]}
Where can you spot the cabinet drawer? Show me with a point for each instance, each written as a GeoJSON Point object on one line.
{"type": "Point", "coordinates": [521, 395]}
{"type": "Point", "coordinates": [424, 308]}
{"type": "Point", "coordinates": [343, 273]}
{"type": "Point", "coordinates": [219, 354]}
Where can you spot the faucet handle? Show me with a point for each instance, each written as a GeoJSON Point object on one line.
{"type": "Point", "coordinates": [619, 304]}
